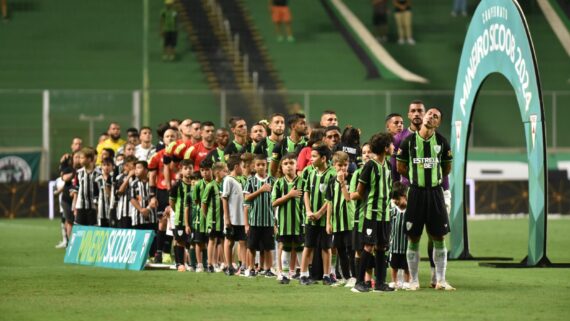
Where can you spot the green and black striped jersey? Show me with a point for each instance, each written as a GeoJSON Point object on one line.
{"type": "Point", "coordinates": [342, 216]}
{"type": "Point", "coordinates": [181, 194]}
{"type": "Point", "coordinates": [378, 183]}
{"type": "Point", "coordinates": [260, 211]}
{"type": "Point", "coordinates": [287, 146]}
{"type": "Point", "coordinates": [236, 148]}
{"type": "Point", "coordinates": [265, 147]}
{"type": "Point", "coordinates": [398, 238]}
{"type": "Point", "coordinates": [305, 175]}
{"type": "Point", "coordinates": [199, 219]}
{"type": "Point", "coordinates": [216, 155]}
{"type": "Point", "coordinates": [424, 158]}
{"type": "Point", "coordinates": [211, 197]}
{"type": "Point", "coordinates": [316, 185]}
{"type": "Point", "coordinates": [290, 216]}
{"type": "Point", "coordinates": [243, 181]}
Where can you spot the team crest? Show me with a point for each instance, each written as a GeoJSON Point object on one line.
{"type": "Point", "coordinates": [322, 188]}
{"type": "Point", "coordinates": [368, 231]}
{"type": "Point", "coordinates": [399, 151]}
{"type": "Point", "coordinates": [409, 225]}
{"type": "Point", "coordinates": [437, 148]}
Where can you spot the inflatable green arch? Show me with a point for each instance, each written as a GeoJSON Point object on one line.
{"type": "Point", "coordinates": [499, 41]}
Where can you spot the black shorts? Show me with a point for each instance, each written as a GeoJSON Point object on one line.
{"type": "Point", "coordinates": [180, 235]}
{"type": "Point", "coordinates": [398, 261]}
{"type": "Point", "coordinates": [376, 233]}
{"type": "Point", "coordinates": [215, 235]}
{"type": "Point", "coordinates": [356, 238]}
{"type": "Point", "coordinates": [317, 236]}
{"type": "Point", "coordinates": [426, 207]}
{"type": "Point", "coordinates": [86, 217]}
{"type": "Point", "coordinates": [146, 226]}
{"type": "Point", "coordinates": [291, 239]}
{"type": "Point", "coordinates": [104, 222]}
{"type": "Point", "coordinates": [125, 222]}
{"type": "Point", "coordinates": [199, 238]}
{"type": "Point", "coordinates": [379, 19]}
{"type": "Point", "coordinates": [343, 240]}
{"type": "Point", "coordinates": [260, 238]}
{"type": "Point", "coordinates": [235, 233]}
{"type": "Point", "coordinates": [170, 38]}
{"type": "Point", "coordinates": [67, 212]}
{"type": "Point", "coordinates": [163, 201]}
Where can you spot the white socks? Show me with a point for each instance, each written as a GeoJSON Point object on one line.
{"type": "Point", "coordinates": [413, 258]}
{"type": "Point", "coordinates": [440, 260]}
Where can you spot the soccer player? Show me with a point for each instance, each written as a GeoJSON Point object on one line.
{"type": "Point", "coordinates": [374, 187]}
{"type": "Point", "coordinates": [394, 124]}
{"type": "Point", "coordinates": [332, 137]}
{"type": "Point", "coordinates": [316, 208]}
{"type": "Point", "coordinates": [293, 143]}
{"type": "Point", "coordinates": [257, 134]}
{"type": "Point", "coordinates": [424, 158]}
{"type": "Point", "coordinates": [340, 214]}
{"type": "Point", "coordinates": [200, 235]}
{"type": "Point", "coordinates": [103, 192]}
{"type": "Point", "coordinates": [195, 132]}
{"type": "Point", "coordinates": [398, 240]}
{"type": "Point", "coordinates": [212, 208]}
{"type": "Point", "coordinates": [181, 205]}
{"type": "Point", "coordinates": [232, 202]}
{"type": "Point", "coordinates": [159, 194]}
{"type": "Point", "coordinates": [360, 210]}
{"type": "Point", "coordinates": [266, 146]}
{"type": "Point", "coordinates": [239, 145]}
{"type": "Point", "coordinates": [145, 149]}
{"type": "Point", "coordinates": [222, 139]}
{"type": "Point", "coordinates": [200, 150]}
{"type": "Point", "coordinates": [122, 193]}
{"type": "Point", "coordinates": [85, 209]}
{"type": "Point", "coordinates": [259, 218]}
{"type": "Point", "coordinates": [287, 199]}
{"type": "Point", "coordinates": [416, 112]}
{"type": "Point", "coordinates": [328, 118]}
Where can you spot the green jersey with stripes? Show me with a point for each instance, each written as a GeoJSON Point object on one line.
{"type": "Point", "coordinates": [211, 197]}
{"type": "Point", "coordinates": [305, 175]}
{"type": "Point", "coordinates": [216, 155]}
{"type": "Point", "coordinates": [260, 211]}
{"type": "Point", "coordinates": [359, 205]}
{"type": "Point", "coordinates": [290, 216]}
{"type": "Point", "coordinates": [199, 220]}
{"type": "Point", "coordinates": [342, 215]}
{"type": "Point", "coordinates": [378, 183]}
{"type": "Point", "coordinates": [287, 146]}
{"type": "Point", "coordinates": [181, 194]}
{"type": "Point", "coordinates": [424, 158]}
{"type": "Point", "coordinates": [316, 187]}
{"type": "Point", "coordinates": [398, 238]}
{"type": "Point", "coordinates": [265, 147]}
{"type": "Point", "coordinates": [243, 181]}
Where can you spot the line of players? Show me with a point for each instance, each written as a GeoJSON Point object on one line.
{"type": "Point", "coordinates": [338, 210]}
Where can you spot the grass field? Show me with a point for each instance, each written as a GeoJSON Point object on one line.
{"type": "Point", "coordinates": [36, 285]}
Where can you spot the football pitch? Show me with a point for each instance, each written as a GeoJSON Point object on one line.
{"type": "Point", "coordinates": [36, 285]}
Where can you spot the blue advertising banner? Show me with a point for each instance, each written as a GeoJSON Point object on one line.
{"type": "Point", "coordinates": [123, 249]}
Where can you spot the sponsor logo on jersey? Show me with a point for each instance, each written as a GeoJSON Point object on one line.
{"type": "Point", "coordinates": [426, 162]}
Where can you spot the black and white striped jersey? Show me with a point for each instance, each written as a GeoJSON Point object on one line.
{"type": "Point", "coordinates": [121, 201]}
{"type": "Point", "coordinates": [103, 196]}
{"type": "Point", "coordinates": [140, 192]}
{"type": "Point", "coordinates": [84, 186]}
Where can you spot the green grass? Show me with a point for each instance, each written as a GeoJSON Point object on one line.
{"type": "Point", "coordinates": [36, 285]}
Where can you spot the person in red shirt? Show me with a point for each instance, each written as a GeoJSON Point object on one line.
{"type": "Point", "coordinates": [199, 151]}
{"type": "Point", "coordinates": [304, 158]}
{"type": "Point", "coordinates": [159, 186]}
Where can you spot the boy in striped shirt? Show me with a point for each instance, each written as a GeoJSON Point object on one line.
{"type": "Point", "coordinates": [85, 209]}
{"type": "Point", "coordinates": [103, 192]}
{"type": "Point", "coordinates": [200, 227]}
{"type": "Point", "coordinates": [374, 187]}
{"type": "Point", "coordinates": [398, 239]}
{"type": "Point", "coordinates": [259, 218]}
{"type": "Point", "coordinates": [316, 207]}
{"type": "Point", "coordinates": [181, 206]}
{"type": "Point", "coordinates": [340, 214]}
{"type": "Point", "coordinates": [143, 214]}
{"type": "Point", "coordinates": [287, 199]}
{"type": "Point", "coordinates": [212, 208]}
{"type": "Point", "coordinates": [121, 193]}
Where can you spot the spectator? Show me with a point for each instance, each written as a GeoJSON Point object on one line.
{"type": "Point", "coordinates": [403, 17]}
{"type": "Point", "coordinates": [66, 159]}
{"type": "Point", "coordinates": [4, 10]}
{"type": "Point", "coordinates": [380, 19]}
{"type": "Point", "coordinates": [168, 30]}
{"type": "Point", "coordinates": [459, 6]}
{"type": "Point", "coordinates": [281, 16]}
